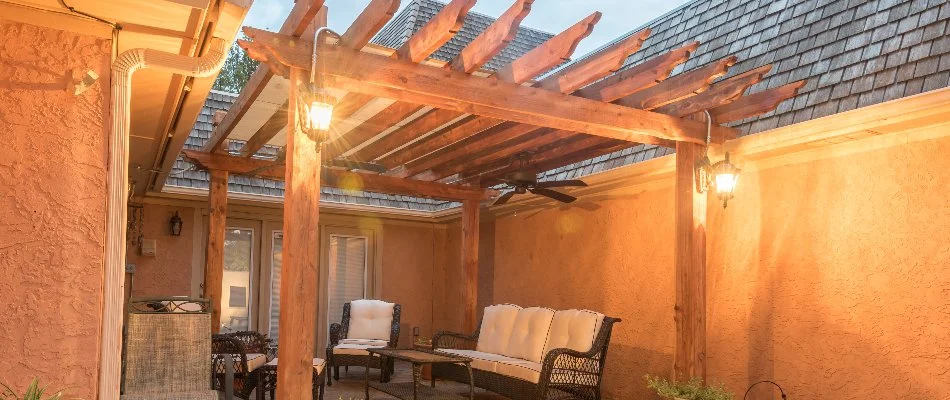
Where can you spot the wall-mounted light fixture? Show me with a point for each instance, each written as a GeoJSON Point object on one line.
{"type": "Point", "coordinates": [175, 224]}
{"type": "Point", "coordinates": [722, 176]}
{"type": "Point", "coordinates": [314, 103]}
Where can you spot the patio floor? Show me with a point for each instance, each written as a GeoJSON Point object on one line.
{"type": "Point", "coordinates": [350, 386]}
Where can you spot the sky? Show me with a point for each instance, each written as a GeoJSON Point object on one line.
{"type": "Point", "coordinates": [619, 16]}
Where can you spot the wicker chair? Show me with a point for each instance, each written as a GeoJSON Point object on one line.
{"type": "Point", "coordinates": [365, 325]}
{"type": "Point", "coordinates": [256, 342]}
{"type": "Point", "coordinates": [245, 364]}
{"type": "Point", "coordinates": [166, 351]}
{"type": "Point", "coordinates": [563, 373]}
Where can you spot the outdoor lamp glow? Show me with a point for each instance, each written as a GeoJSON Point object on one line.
{"type": "Point", "coordinates": [315, 110]}
{"type": "Point", "coordinates": [726, 177]}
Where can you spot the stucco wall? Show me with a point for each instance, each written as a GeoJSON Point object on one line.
{"type": "Point", "coordinates": [829, 276]}
{"type": "Point", "coordinates": [169, 272]}
{"type": "Point", "coordinates": [52, 207]}
{"type": "Point", "coordinates": [408, 261]}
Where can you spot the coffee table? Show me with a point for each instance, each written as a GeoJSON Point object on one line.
{"type": "Point", "coordinates": [415, 390]}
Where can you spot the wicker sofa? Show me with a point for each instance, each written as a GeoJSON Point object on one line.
{"type": "Point", "coordinates": [532, 353]}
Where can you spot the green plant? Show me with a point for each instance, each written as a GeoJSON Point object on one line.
{"type": "Point", "coordinates": [33, 392]}
{"type": "Point", "coordinates": [692, 390]}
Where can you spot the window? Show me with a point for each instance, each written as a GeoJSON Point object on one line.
{"type": "Point", "coordinates": [348, 275]}
{"type": "Point", "coordinates": [238, 265]}
{"type": "Point", "coordinates": [277, 246]}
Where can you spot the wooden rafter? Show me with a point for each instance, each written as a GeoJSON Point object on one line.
{"type": "Point", "coordinates": [296, 24]}
{"type": "Point", "coordinates": [550, 156]}
{"type": "Point", "coordinates": [533, 142]}
{"type": "Point", "coordinates": [338, 178]}
{"type": "Point", "coordinates": [718, 94]}
{"type": "Point", "coordinates": [678, 87]}
{"type": "Point", "coordinates": [414, 83]}
{"type": "Point", "coordinates": [367, 24]}
{"type": "Point", "coordinates": [638, 77]}
{"type": "Point", "coordinates": [481, 50]}
{"type": "Point", "coordinates": [477, 140]}
{"type": "Point", "coordinates": [542, 58]}
{"type": "Point", "coordinates": [438, 31]}
{"type": "Point", "coordinates": [755, 104]}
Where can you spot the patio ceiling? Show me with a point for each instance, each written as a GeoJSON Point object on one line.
{"type": "Point", "coordinates": [456, 123]}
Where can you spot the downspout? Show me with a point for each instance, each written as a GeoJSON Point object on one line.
{"type": "Point", "coordinates": [125, 65]}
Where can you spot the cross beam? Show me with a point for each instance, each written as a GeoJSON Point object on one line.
{"type": "Point", "coordinates": [409, 82]}
{"type": "Point", "coordinates": [339, 178]}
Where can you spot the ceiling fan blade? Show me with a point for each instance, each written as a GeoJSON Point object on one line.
{"type": "Point", "coordinates": [564, 183]}
{"type": "Point", "coordinates": [564, 198]}
{"type": "Point", "coordinates": [504, 198]}
{"type": "Point", "coordinates": [366, 166]}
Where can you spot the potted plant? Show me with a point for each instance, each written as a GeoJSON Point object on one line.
{"type": "Point", "coordinates": [692, 390]}
{"type": "Point", "coordinates": [33, 392]}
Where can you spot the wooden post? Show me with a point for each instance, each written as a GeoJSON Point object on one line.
{"type": "Point", "coordinates": [214, 258]}
{"type": "Point", "coordinates": [299, 276]}
{"type": "Point", "coordinates": [690, 259]}
{"type": "Point", "coordinates": [470, 218]}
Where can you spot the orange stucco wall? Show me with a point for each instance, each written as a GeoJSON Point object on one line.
{"type": "Point", "coordinates": [169, 272]}
{"type": "Point", "coordinates": [408, 262]}
{"type": "Point", "coordinates": [829, 276]}
{"type": "Point", "coordinates": [52, 207]}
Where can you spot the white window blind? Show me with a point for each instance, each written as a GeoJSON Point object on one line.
{"type": "Point", "coordinates": [277, 246]}
{"type": "Point", "coordinates": [347, 280]}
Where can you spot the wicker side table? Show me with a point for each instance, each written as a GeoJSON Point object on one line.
{"type": "Point", "coordinates": [267, 379]}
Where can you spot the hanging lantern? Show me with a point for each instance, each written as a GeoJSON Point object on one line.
{"type": "Point", "coordinates": [175, 224]}
{"type": "Point", "coordinates": [723, 175]}
{"type": "Point", "coordinates": [315, 112]}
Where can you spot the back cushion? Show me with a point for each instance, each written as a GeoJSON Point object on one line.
{"type": "Point", "coordinates": [574, 329]}
{"type": "Point", "coordinates": [529, 334]}
{"type": "Point", "coordinates": [496, 328]}
{"type": "Point", "coordinates": [370, 319]}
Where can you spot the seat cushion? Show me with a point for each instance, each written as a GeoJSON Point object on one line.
{"type": "Point", "coordinates": [370, 319]}
{"type": "Point", "coordinates": [192, 395]}
{"type": "Point", "coordinates": [255, 361]}
{"type": "Point", "coordinates": [318, 364]}
{"type": "Point", "coordinates": [367, 342]}
{"type": "Point", "coordinates": [573, 329]}
{"type": "Point", "coordinates": [529, 334]}
{"type": "Point", "coordinates": [354, 349]}
{"type": "Point", "coordinates": [497, 322]}
{"type": "Point", "coordinates": [481, 360]}
{"type": "Point", "coordinates": [521, 369]}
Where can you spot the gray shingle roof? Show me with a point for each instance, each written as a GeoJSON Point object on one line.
{"type": "Point", "coordinates": [415, 15]}
{"type": "Point", "coordinates": [854, 53]}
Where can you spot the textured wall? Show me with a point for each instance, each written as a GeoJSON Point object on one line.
{"type": "Point", "coordinates": [830, 276]}
{"type": "Point", "coordinates": [52, 207]}
{"type": "Point", "coordinates": [408, 260]}
{"type": "Point", "coordinates": [169, 272]}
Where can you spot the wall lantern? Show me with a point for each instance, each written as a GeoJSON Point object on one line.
{"type": "Point", "coordinates": [722, 176]}
{"type": "Point", "coordinates": [175, 224]}
{"type": "Point", "coordinates": [314, 103]}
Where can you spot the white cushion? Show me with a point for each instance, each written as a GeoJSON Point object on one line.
{"type": "Point", "coordinates": [497, 322]}
{"type": "Point", "coordinates": [368, 342]}
{"type": "Point", "coordinates": [574, 329]}
{"type": "Point", "coordinates": [529, 334]}
{"type": "Point", "coordinates": [480, 360]}
{"type": "Point", "coordinates": [524, 370]}
{"type": "Point", "coordinates": [255, 361]}
{"type": "Point", "coordinates": [318, 364]}
{"type": "Point", "coordinates": [370, 319]}
{"type": "Point", "coordinates": [354, 349]}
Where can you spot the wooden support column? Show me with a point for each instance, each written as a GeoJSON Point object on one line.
{"type": "Point", "coordinates": [469, 287]}
{"type": "Point", "coordinates": [299, 276]}
{"type": "Point", "coordinates": [690, 259]}
{"type": "Point", "coordinates": [214, 258]}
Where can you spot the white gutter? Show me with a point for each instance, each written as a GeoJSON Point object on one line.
{"type": "Point", "coordinates": [110, 350]}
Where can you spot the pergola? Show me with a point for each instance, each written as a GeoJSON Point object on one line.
{"type": "Point", "coordinates": [447, 130]}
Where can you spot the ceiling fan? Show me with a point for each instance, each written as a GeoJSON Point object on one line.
{"type": "Point", "coordinates": [525, 180]}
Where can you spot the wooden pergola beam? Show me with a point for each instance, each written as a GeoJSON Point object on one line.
{"type": "Point", "coordinates": [367, 24]}
{"type": "Point", "coordinates": [542, 58]}
{"type": "Point", "coordinates": [439, 30]}
{"type": "Point", "coordinates": [721, 93]}
{"type": "Point", "coordinates": [338, 178]}
{"type": "Point", "coordinates": [638, 77]}
{"type": "Point", "coordinates": [214, 250]}
{"type": "Point", "coordinates": [755, 103]}
{"type": "Point", "coordinates": [300, 18]}
{"type": "Point", "coordinates": [678, 87]}
{"type": "Point", "coordinates": [481, 50]}
{"type": "Point", "coordinates": [690, 267]}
